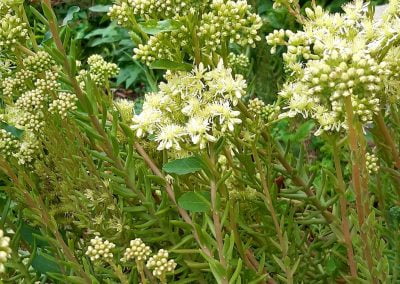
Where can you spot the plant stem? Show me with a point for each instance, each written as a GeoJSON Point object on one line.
{"type": "Point", "coordinates": [171, 195]}
{"type": "Point", "coordinates": [343, 212]}
{"type": "Point", "coordinates": [357, 180]}
{"type": "Point", "coordinates": [388, 138]}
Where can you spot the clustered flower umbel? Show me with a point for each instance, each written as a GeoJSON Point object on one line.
{"type": "Point", "coordinates": [192, 108]}
{"type": "Point", "coordinates": [13, 30]}
{"type": "Point", "coordinates": [99, 249]}
{"type": "Point", "coordinates": [149, 9]}
{"type": "Point", "coordinates": [334, 57]}
{"type": "Point", "coordinates": [239, 63]}
{"type": "Point", "coordinates": [160, 264]}
{"type": "Point", "coordinates": [5, 250]}
{"type": "Point", "coordinates": [137, 251]}
{"type": "Point", "coordinates": [220, 22]}
{"type": "Point", "coordinates": [259, 109]}
{"type": "Point", "coordinates": [100, 71]}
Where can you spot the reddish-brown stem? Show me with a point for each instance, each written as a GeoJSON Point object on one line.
{"type": "Point", "coordinates": [388, 138]}
{"type": "Point", "coordinates": [357, 179]}
{"type": "Point", "coordinates": [343, 212]}
{"type": "Point", "coordinates": [171, 195]}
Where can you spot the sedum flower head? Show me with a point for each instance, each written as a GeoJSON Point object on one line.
{"type": "Point", "coordinates": [63, 104]}
{"type": "Point", "coordinates": [5, 250]}
{"type": "Point", "coordinates": [99, 249]}
{"type": "Point", "coordinates": [191, 108]}
{"type": "Point", "coordinates": [334, 57]}
{"type": "Point", "coordinates": [160, 264]}
{"type": "Point", "coordinates": [137, 251]}
{"type": "Point", "coordinates": [100, 71]}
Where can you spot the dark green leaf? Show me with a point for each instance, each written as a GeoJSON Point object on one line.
{"type": "Point", "coordinates": [195, 201]}
{"type": "Point", "coordinates": [44, 263]}
{"type": "Point", "coordinates": [302, 132]}
{"type": "Point", "coordinates": [183, 166]}
{"type": "Point", "coordinates": [17, 133]}
{"type": "Point", "coordinates": [29, 235]}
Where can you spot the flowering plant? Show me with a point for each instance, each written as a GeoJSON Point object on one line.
{"type": "Point", "coordinates": [202, 182]}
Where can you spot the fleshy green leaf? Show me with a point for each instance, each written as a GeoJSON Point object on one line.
{"type": "Point", "coordinates": [100, 8]}
{"type": "Point", "coordinates": [183, 166]}
{"type": "Point", "coordinates": [195, 201]}
{"type": "Point", "coordinates": [153, 27]}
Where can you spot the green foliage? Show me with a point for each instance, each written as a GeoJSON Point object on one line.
{"type": "Point", "coordinates": [266, 202]}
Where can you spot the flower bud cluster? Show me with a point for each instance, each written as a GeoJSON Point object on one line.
{"type": "Point", "coordinates": [121, 13]}
{"type": "Point", "coordinates": [99, 249]}
{"type": "Point", "coordinates": [49, 83]}
{"type": "Point", "coordinates": [239, 63]}
{"type": "Point", "coordinates": [229, 21]}
{"type": "Point", "coordinates": [12, 31]}
{"type": "Point", "coordinates": [159, 9]}
{"type": "Point", "coordinates": [100, 71]}
{"type": "Point", "coordinates": [256, 106]}
{"type": "Point", "coordinates": [63, 104]}
{"type": "Point", "coordinates": [191, 108]}
{"type": "Point", "coordinates": [277, 37]}
{"type": "Point", "coordinates": [16, 83]}
{"type": "Point", "coordinates": [266, 112]}
{"type": "Point", "coordinates": [328, 64]}
{"type": "Point", "coordinates": [162, 46]}
{"type": "Point", "coordinates": [160, 265]}
{"type": "Point", "coordinates": [137, 251]}
{"type": "Point", "coordinates": [371, 163]}
{"type": "Point", "coordinates": [38, 63]}
{"type": "Point", "coordinates": [5, 250]}
{"type": "Point", "coordinates": [8, 143]}
{"type": "Point", "coordinates": [219, 22]}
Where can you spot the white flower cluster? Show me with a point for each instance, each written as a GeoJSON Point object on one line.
{"type": "Point", "coordinates": [100, 249]}
{"type": "Point", "coordinates": [12, 31]}
{"type": "Point", "coordinates": [5, 250]}
{"type": "Point", "coordinates": [63, 104]}
{"type": "Point", "coordinates": [232, 21]}
{"type": "Point", "coordinates": [191, 108]}
{"type": "Point", "coordinates": [100, 71]}
{"type": "Point", "coordinates": [371, 162]}
{"type": "Point", "coordinates": [160, 264]}
{"type": "Point", "coordinates": [334, 57]}
{"type": "Point", "coordinates": [125, 108]}
{"type": "Point", "coordinates": [137, 250]}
